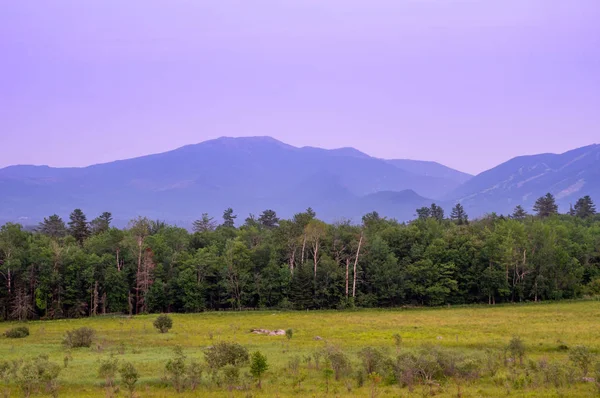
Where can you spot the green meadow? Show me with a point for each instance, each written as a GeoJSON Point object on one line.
{"type": "Point", "coordinates": [549, 331]}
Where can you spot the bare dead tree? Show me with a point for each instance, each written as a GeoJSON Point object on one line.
{"type": "Point", "coordinates": [356, 263]}
{"type": "Point", "coordinates": [144, 280]}
{"type": "Point", "coordinates": [21, 305]}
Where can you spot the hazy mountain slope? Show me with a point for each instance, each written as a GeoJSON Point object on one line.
{"type": "Point", "coordinates": [248, 174]}
{"type": "Point", "coordinates": [431, 169]}
{"type": "Point", "coordinates": [522, 180]}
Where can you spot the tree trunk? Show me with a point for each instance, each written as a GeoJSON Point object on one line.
{"type": "Point", "coordinates": [292, 259]}
{"type": "Point", "coordinates": [118, 263]}
{"type": "Point", "coordinates": [139, 266]}
{"type": "Point", "coordinates": [355, 263]}
{"type": "Point", "coordinates": [303, 248]}
{"type": "Point", "coordinates": [316, 256]}
{"type": "Point", "coordinates": [347, 271]}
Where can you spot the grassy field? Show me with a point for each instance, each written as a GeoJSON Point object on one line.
{"type": "Point", "coordinates": [543, 328]}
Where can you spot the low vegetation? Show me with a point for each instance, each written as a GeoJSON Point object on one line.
{"type": "Point", "coordinates": [18, 332]}
{"type": "Point", "coordinates": [514, 350]}
{"type": "Point", "coordinates": [163, 323]}
{"type": "Point", "coordinates": [78, 338]}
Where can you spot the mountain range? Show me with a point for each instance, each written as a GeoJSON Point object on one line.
{"type": "Point", "coordinates": [252, 174]}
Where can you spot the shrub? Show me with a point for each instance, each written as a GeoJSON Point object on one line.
{"type": "Point", "coordinates": [582, 357]}
{"type": "Point", "coordinates": [163, 323]}
{"type": "Point", "coordinates": [294, 365]}
{"type": "Point", "coordinates": [77, 338]}
{"type": "Point", "coordinates": [176, 369]}
{"type": "Point", "coordinates": [597, 376]}
{"type": "Point", "coordinates": [129, 377]}
{"type": "Point", "coordinates": [258, 366]}
{"type": "Point", "coordinates": [554, 374]}
{"type": "Point", "coordinates": [373, 360]}
{"type": "Point", "coordinates": [397, 341]}
{"type": "Point", "coordinates": [37, 373]}
{"type": "Point", "coordinates": [327, 372]}
{"type": "Point", "coordinates": [338, 361]}
{"type": "Point", "coordinates": [17, 333]}
{"type": "Point", "coordinates": [289, 333]}
{"type": "Point", "coordinates": [108, 370]}
{"type": "Point", "coordinates": [231, 375]}
{"type": "Point", "coordinates": [431, 364]}
{"type": "Point", "coordinates": [516, 349]}
{"type": "Point", "coordinates": [194, 374]}
{"type": "Point", "coordinates": [226, 353]}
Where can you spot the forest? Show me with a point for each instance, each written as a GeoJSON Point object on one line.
{"type": "Point", "coordinates": [78, 268]}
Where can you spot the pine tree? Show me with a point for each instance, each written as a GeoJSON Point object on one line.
{"type": "Point", "coordinates": [545, 206]}
{"type": "Point", "coordinates": [53, 227]}
{"type": "Point", "coordinates": [229, 218]}
{"type": "Point", "coordinates": [205, 224]}
{"type": "Point", "coordinates": [423, 213]}
{"type": "Point", "coordinates": [268, 219]}
{"type": "Point", "coordinates": [101, 223]}
{"type": "Point", "coordinates": [585, 207]}
{"type": "Point", "coordinates": [519, 213]}
{"type": "Point", "coordinates": [78, 226]}
{"type": "Point", "coordinates": [459, 215]}
{"type": "Point", "coordinates": [437, 212]}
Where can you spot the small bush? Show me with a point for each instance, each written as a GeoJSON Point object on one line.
{"type": "Point", "coordinates": [17, 333]}
{"type": "Point", "coordinates": [373, 360]}
{"type": "Point", "coordinates": [258, 366]}
{"type": "Point", "coordinates": [294, 365]}
{"type": "Point", "coordinates": [108, 370]}
{"type": "Point", "coordinates": [338, 361]}
{"type": "Point", "coordinates": [194, 374]}
{"type": "Point", "coordinates": [163, 323]}
{"type": "Point", "coordinates": [582, 357]}
{"type": "Point", "coordinates": [129, 377]}
{"type": "Point", "coordinates": [226, 353]}
{"type": "Point", "coordinates": [597, 376]}
{"type": "Point", "coordinates": [39, 373]}
{"type": "Point", "coordinates": [289, 333]}
{"type": "Point", "coordinates": [176, 369]}
{"type": "Point", "coordinates": [231, 375]}
{"type": "Point", "coordinates": [516, 349]}
{"type": "Point", "coordinates": [77, 338]}
{"type": "Point", "coordinates": [434, 364]}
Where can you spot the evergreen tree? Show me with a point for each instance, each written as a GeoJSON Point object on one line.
{"type": "Point", "coordinates": [585, 207]}
{"type": "Point", "coordinates": [545, 206]}
{"type": "Point", "coordinates": [53, 227]}
{"type": "Point", "coordinates": [423, 213]}
{"type": "Point", "coordinates": [459, 215]}
{"type": "Point", "coordinates": [101, 223]}
{"type": "Point", "coordinates": [437, 212]}
{"type": "Point", "coordinates": [205, 224]}
{"type": "Point", "coordinates": [519, 213]}
{"type": "Point", "coordinates": [268, 219]}
{"type": "Point", "coordinates": [78, 226]}
{"type": "Point", "coordinates": [229, 218]}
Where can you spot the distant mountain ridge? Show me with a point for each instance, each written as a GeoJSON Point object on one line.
{"type": "Point", "coordinates": [251, 174]}
{"type": "Point", "coordinates": [522, 180]}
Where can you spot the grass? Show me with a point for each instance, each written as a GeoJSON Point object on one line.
{"type": "Point", "coordinates": [543, 328]}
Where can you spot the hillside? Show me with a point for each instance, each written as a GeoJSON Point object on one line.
{"type": "Point", "coordinates": [568, 176]}
{"type": "Point", "coordinates": [431, 169]}
{"type": "Point", "coordinates": [248, 174]}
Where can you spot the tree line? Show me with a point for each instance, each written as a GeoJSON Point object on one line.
{"type": "Point", "coordinates": [82, 268]}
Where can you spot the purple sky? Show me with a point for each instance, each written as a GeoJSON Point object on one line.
{"type": "Point", "coordinates": [468, 83]}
